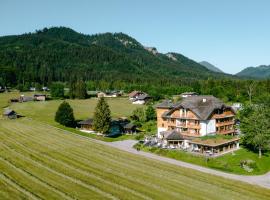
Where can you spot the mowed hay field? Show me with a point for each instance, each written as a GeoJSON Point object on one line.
{"type": "Point", "coordinates": [38, 161]}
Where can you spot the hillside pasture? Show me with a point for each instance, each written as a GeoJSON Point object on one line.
{"type": "Point", "coordinates": [38, 161]}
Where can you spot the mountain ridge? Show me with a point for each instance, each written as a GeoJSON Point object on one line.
{"type": "Point", "coordinates": [57, 53]}
{"type": "Point", "coordinates": [259, 72]}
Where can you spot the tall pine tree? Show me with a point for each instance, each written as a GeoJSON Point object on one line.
{"type": "Point", "coordinates": [102, 117]}
{"type": "Point", "coordinates": [80, 90]}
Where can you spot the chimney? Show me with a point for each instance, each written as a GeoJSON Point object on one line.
{"type": "Point", "coordinates": [204, 100]}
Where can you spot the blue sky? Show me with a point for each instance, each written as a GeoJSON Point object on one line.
{"type": "Point", "coordinates": [231, 34]}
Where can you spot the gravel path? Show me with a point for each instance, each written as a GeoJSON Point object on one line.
{"type": "Point", "coordinates": [127, 145]}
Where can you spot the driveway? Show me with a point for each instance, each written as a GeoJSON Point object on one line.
{"type": "Point", "coordinates": [127, 145]}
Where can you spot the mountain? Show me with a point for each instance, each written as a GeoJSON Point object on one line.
{"type": "Point", "coordinates": [210, 66]}
{"type": "Point", "coordinates": [260, 72]}
{"type": "Point", "coordinates": [60, 53]}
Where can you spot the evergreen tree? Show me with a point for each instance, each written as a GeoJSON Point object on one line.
{"type": "Point", "coordinates": [72, 89]}
{"type": "Point", "coordinates": [57, 90]}
{"type": "Point", "coordinates": [150, 113]}
{"type": "Point", "coordinates": [80, 90]}
{"type": "Point", "coordinates": [102, 117]}
{"type": "Point", "coordinates": [64, 115]}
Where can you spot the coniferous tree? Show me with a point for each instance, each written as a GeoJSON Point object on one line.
{"type": "Point", "coordinates": [80, 90]}
{"type": "Point", "coordinates": [64, 115]}
{"type": "Point", "coordinates": [102, 117]}
{"type": "Point", "coordinates": [57, 90]}
{"type": "Point", "coordinates": [72, 89]}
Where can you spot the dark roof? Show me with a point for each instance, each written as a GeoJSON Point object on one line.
{"type": "Point", "coordinates": [129, 126]}
{"type": "Point", "coordinates": [165, 104]}
{"type": "Point", "coordinates": [202, 105]}
{"type": "Point", "coordinates": [174, 135]}
{"type": "Point", "coordinates": [86, 122]}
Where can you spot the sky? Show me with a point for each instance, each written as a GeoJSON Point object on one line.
{"type": "Point", "coordinates": [231, 34]}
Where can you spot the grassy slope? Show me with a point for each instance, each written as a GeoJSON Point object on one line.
{"type": "Point", "coordinates": [39, 161]}
{"type": "Point", "coordinates": [228, 162]}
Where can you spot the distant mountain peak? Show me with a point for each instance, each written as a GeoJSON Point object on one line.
{"type": "Point", "coordinates": [260, 72]}
{"type": "Point", "coordinates": [210, 66]}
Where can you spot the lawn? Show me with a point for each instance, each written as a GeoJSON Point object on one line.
{"type": "Point", "coordinates": [38, 161]}
{"type": "Point", "coordinates": [228, 162]}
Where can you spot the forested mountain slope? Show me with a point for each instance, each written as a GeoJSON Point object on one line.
{"type": "Point", "coordinates": [59, 53]}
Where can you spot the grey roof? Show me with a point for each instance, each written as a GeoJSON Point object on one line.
{"type": "Point", "coordinates": [86, 122]}
{"type": "Point", "coordinates": [165, 104]}
{"type": "Point", "coordinates": [174, 135]}
{"type": "Point", "coordinates": [202, 105]}
{"type": "Point", "coordinates": [143, 97]}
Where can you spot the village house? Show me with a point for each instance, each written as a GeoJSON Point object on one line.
{"type": "Point", "coordinates": [40, 97]}
{"type": "Point", "coordinates": [197, 123]}
{"type": "Point", "coordinates": [134, 95]}
{"type": "Point", "coordinates": [138, 97]}
{"type": "Point", "coordinates": [118, 126]}
{"type": "Point", "coordinates": [109, 94]}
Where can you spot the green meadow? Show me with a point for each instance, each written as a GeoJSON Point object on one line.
{"type": "Point", "coordinates": [39, 161]}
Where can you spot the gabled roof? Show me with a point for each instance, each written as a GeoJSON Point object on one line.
{"type": "Point", "coordinates": [174, 135]}
{"type": "Point", "coordinates": [202, 106]}
{"type": "Point", "coordinates": [134, 93]}
{"type": "Point", "coordinates": [86, 122]}
{"type": "Point", "coordinates": [143, 97]}
{"type": "Point", "coordinates": [165, 104]}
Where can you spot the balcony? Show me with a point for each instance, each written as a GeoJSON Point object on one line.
{"type": "Point", "coordinates": [225, 132]}
{"type": "Point", "coordinates": [218, 124]}
{"type": "Point", "coordinates": [188, 125]}
{"type": "Point", "coordinates": [221, 116]}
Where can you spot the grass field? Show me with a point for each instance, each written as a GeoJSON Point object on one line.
{"type": "Point", "coordinates": [38, 161]}
{"type": "Point", "coordinates": [45, 111]}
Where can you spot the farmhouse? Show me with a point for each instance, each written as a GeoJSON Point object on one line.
{"type": "Point", "coordinates": [190, 122]}
{"type": "Point", "coordinates": [109, 94]}
{"type": "Point", "coordinates": [10, 114]}
{"type": "Point", "coordinates": [86, 125]}
{"type": "Point", "coordinates": [118, 126]}
{"type": "Point", "coordinates": [40, 97]}
{"type": "Point", "coordinates": [134, 95]}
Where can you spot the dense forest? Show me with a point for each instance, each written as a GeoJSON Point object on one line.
{"type": "Point", "coordinates": [110, 61]}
